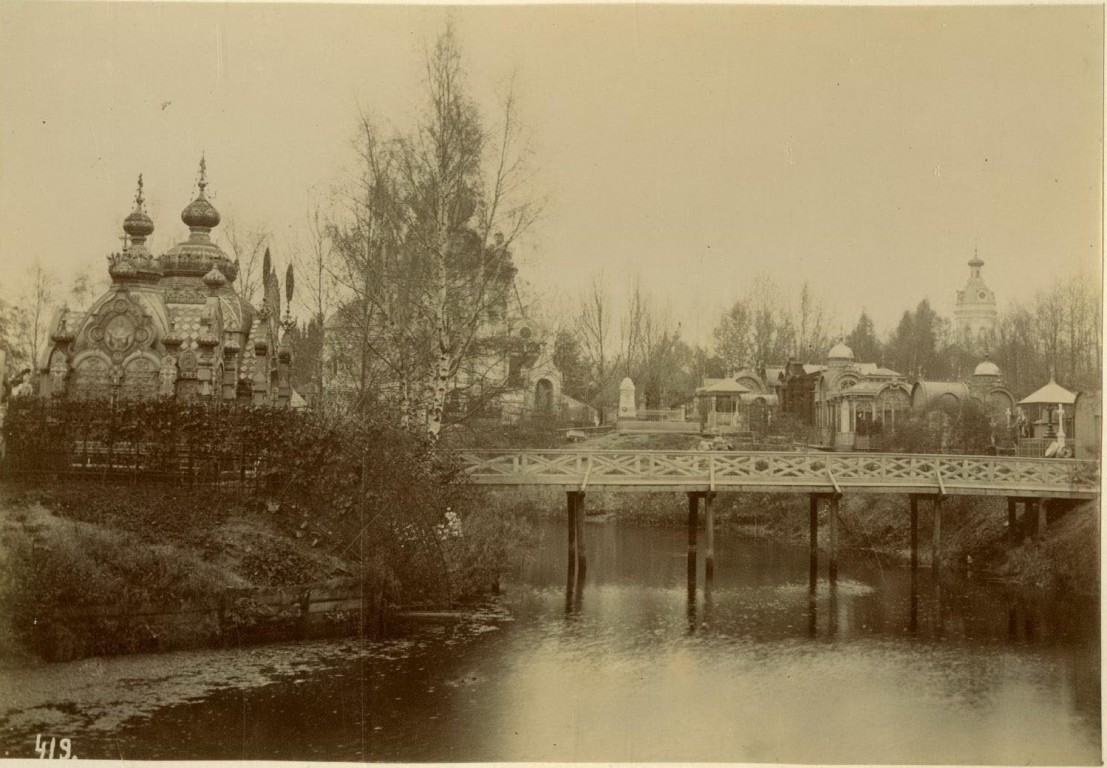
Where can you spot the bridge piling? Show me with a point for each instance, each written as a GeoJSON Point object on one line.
{"type": "Point", "coordinates": [1012, 523]}
{"type": "Point", "coordinates": [833, 569]}
{"type": "Point", "coordinates": [1042, 521]}
{"type": "Point", "coordinates": [693, 521]}
{"type": "Point", "coordinates": [914, 534]}
{"type": "Point", "coordinates": [813, 536]}
{"type": "Point", "coordinates": [709, 530]}
{"type": "Point", "coordinates": [582, 552]}
{"type": "Point", "coordinates": [936, 540]}
{"type": "Point", "coordinates": [1030, 517]}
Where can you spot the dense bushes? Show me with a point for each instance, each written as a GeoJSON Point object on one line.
{"type": "Point", "coordinates": [966, 428]}
{"type": "Point", "coordinates": [368, 494]}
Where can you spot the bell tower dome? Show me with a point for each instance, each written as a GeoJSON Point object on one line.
{"type": "Point", "coordinates": [975, 312]}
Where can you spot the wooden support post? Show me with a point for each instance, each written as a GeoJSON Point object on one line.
{"type": "Point", "coordinates": [936, 541]}
{"type": "Point", "coordinates": [1030, 516]}
{"type": "Point", "coordinates": [813, 535]}
{"type": "Point", "coordinates": [914, 534]}
{"type": "Point", "coordinates": [709, 526]}
{"type": "Point", "coordinates": [693, 519]}
{"type": "Point", "coordinates": [571, 506]}
{"type": "Point", "coordinates": [582, 557]}
{"type": "Point", "coordinates": [1012, 523]}
{"type": "Point", "coordinates": [1041, 505]}
{"type": "Point", "coordinates": [833, 570]}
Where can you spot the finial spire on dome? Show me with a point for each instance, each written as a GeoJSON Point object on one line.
{"type": "Point", "coordinates": [138, 225]}
{"type": "Point", "coordinates": [203, 182]}
{"type": "Point", "coordinates": [139, 199]}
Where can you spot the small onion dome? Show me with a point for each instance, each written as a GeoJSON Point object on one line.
{"type": "Point", "coordinates": [173, 338]}
{"type": "Point", "coordinates": [138, 224]}
{"type": "Point", "coordinates": [976, 261]}
{"type": "Point", "coordinates": [840, 352]}
{"type": "Point", "coordinates": [207, 340]}
{"type": "Point", "coordinates": [230, 346]}
{"type": "Point", "coordinates": [214, 279]}
{"type": "Point", "coordinates": [986, 368]}
{"type": "Point", "coordinates": [62, 336]}
{"type": "Point", "coordinates": [261, 346]}
{"type": "Point", "coordinates": [122, 269]}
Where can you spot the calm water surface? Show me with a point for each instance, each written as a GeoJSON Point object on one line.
{"type": "Point", "coordinates": [628, 667]}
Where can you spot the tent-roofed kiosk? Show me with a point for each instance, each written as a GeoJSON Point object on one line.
{"type": "Point", "coordinates": [1048, 414]}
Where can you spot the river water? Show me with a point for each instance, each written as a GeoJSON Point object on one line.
{"type": "Point", "coordinates": [629, 666]}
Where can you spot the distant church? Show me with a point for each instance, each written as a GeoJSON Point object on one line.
{"type": "Point", "coordinates": [171, 325]}
{"type": "Point", "coordinates": [975, 313]}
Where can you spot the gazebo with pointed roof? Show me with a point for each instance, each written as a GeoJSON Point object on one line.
{"type": "Point", "coordinates": [1044, 409]}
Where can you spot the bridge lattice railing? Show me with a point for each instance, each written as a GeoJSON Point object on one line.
{"type": "Point", "coordinates": [723, 469]}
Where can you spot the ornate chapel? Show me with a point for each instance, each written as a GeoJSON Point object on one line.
{"type": "Point", "coordinates": [172, 325]}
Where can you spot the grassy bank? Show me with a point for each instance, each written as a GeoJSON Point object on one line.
{"type": "Point", "coordinates": [84, 545]}
{"type": "Point", "coordinates": [142, 551]}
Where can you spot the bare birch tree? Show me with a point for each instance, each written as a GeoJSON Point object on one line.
{"type": "Point", "coordinates": [247, 245]}
{"type": "Point", "coordinates": [35, 308]}
{"type": "Point", "coordinates": [427, 242]}
{"type": "Point", "coordinates": [594, 329]}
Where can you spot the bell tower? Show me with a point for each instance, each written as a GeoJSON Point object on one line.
{"type": "Point", "coordinates": [975, 312]}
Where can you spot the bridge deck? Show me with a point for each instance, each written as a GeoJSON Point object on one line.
{"type": "Point", "coordinates": [785, 472]}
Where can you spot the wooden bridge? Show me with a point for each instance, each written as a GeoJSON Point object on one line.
{"type": "Point", "coordinates": [824, 477]}
{"type": "Point", "coordinates": [786, 472]}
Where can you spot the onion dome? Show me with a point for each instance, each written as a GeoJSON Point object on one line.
{"type": "Point", "coordinates": [62, 334]}
{"type": "Point", "coordinates": [840, 352]}
{"type": "Point", "coordinates": [121, 268]}
{"type": "Point", "coordinates": [207, 340]}
{"type": "Point", "coordinates": [138, 224]}
{"type": "Point", "coordinates": [976, 261]}
{"type": "Point", "coordinates": [173, 338]}
{"type": "Point", "coordinates": [261, 347]}
{"type": "Point", "coordinates": [196, 256]}
{"type": "Point", "coordinates": [214, 279]}
{"type": "Point", "coordinates": [200, 214]}
{"type": "Point", "coordinates": [986, 368]}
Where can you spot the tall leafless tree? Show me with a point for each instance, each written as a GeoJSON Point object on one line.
{"type": "Point", "coordinates": [427, 238]}
{"type": "Point", "coordinates": [35, 307]}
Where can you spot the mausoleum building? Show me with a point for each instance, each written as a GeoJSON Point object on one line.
{"type": "Point", "coordinates": [172, 325]}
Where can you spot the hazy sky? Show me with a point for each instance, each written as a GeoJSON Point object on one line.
{"type": "Point", "coordinates": [868, 150]}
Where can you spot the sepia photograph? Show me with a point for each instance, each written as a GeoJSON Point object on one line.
{"type": "Point", "coordinates": [598, 383]}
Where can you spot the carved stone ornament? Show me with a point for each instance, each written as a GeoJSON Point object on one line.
{"type": "Point", "coordinates": [120, 327]}
{"type": "Point", "coordinates": [188, 363]}
{"type": "Point", "coordinates": [59, 369]}
{"type": "Point", "coordinates": [168, 376]}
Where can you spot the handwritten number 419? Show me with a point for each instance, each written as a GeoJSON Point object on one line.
{"type": "Point", "coordinates": [45, 749]}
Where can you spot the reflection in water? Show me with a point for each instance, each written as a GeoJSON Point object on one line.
{"type": "Point", "coordinates": [961, 672]}
{"type": "Point", "coordinates": [914, 623]}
